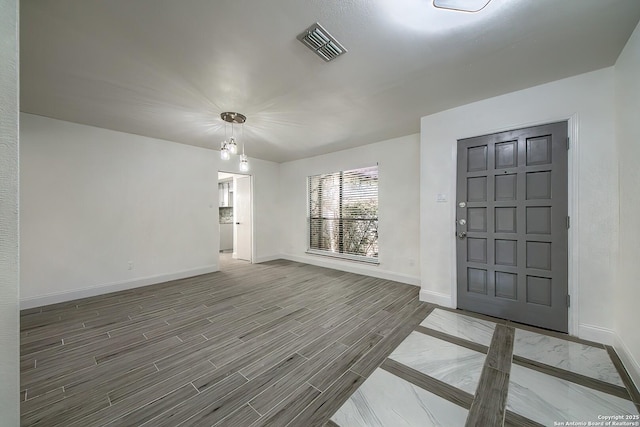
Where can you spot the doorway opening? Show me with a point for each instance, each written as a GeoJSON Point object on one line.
{"type": "Point", "coordinates": [235, 205]}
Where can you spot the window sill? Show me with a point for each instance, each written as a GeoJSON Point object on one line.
{"type": "Point", "coordinates": [344, 257]}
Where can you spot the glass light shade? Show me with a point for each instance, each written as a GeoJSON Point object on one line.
{"type": "Point", "coordinates": [232, 146]}
{"type": "Point", "coordinates": [224, 153]}
{"type": "Point", "coordinates": [244, 163]}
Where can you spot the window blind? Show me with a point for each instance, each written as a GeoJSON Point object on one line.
{"type": "Point", "coordinates": [343, 213]}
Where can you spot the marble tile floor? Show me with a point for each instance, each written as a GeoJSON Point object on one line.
{"type": "Point", "coordinates": [461, 326]}
{"type": "Point", "coordinates": [547, 399]}
{"type": "Point", "coordinates": [443, 360]}
{"type": "Point", "coordinates": [451, 361]}
{"type": "Point", "coordinates": [387, 400]}
{"type": "Point", "coordinates": [572, 356]}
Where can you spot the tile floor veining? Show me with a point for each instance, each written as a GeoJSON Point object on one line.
{"type": "Point", "coordinates": [572, 356]}
{"type": "Point", "coordinates": [442, 360]}
{"type": "Point", "coordinates": [545, 399]}
{"type": "Point", "coordinates": [465, 327]}
{"type": "Point", "coordinates": [429, 381]}
{"type": "Point", "coordinates": [387, 400]}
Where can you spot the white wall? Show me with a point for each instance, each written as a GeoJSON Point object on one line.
{"type": "Point", "coordinates": [627, 292]}
{"type": "Point", "coordinates": [398, 199]}
{"type": "Point", "coordinates": [588, 100]}
{"type": "Point", "coordinates": [94, 200]}
{"type": "Point", "coordinates": [9, 236]}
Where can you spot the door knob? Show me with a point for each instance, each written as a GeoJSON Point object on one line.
{"type": "Point", "coordinates": [462, 235]}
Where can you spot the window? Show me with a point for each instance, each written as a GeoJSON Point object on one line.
{"type": "Point", "coordinates": [343, 214]}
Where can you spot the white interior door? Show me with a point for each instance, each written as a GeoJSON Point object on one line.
{"type": "Point", "coordinates": [242, 221]}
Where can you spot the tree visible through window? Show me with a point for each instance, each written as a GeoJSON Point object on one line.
{"type": "Point", "coordinates": [343, 213]}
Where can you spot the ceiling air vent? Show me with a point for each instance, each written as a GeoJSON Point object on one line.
{"type": "Point", "coordinates": [321, 42]}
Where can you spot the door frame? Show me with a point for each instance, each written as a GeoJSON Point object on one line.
{"type": "Point", "coordinates": [251, 208]}
{"type": "Point", "coordinates": [573, 243]}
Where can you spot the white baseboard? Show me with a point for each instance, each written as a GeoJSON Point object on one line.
{"type": "Point", "coordinates": [628, 360]}
{"type": "Point", "coordinates": [438, 298]}
{"type": "Point", "coordinates": [596, 333]}
{"type": "Point", "coordinates": [266, 258]}
{"type": "Point", "coordinates": [354, 267]}
{"type": "Point", "coordinates": [54, 298]}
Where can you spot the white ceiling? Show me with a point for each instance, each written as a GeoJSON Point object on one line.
{"type": "Point", "coordinates": [168, 68]}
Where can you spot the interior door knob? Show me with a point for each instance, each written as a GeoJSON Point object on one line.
{"type": "Point", "coordinates": [462, 235]}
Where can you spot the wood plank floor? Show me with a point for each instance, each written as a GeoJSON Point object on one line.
{"type": "Point", "coordinates": [264, 344]}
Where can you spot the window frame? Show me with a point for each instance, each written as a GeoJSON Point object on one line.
{"type": "Point", "coordinates": [340, 255]}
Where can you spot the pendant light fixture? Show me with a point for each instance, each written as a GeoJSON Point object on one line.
{"type": "Point", "coordinates": [229, 147]}
{"type": "Point", "coordinates": [244, 160]}
{"type": "Point", "coordinates": [224, 151]}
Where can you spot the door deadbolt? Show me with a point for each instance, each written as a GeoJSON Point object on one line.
{"type": "Point", "coordinates": [462, 205]}
{"type": "Point", "coordinates": [462, 221]}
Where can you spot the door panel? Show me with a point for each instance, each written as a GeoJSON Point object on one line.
{"type": "Point", "coordinates": [243, 218]}
{"type": "Point", "coordinates": [511, 225]}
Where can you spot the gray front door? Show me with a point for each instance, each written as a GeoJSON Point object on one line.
{"type": "Point", "coordinates": [511, 225]}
